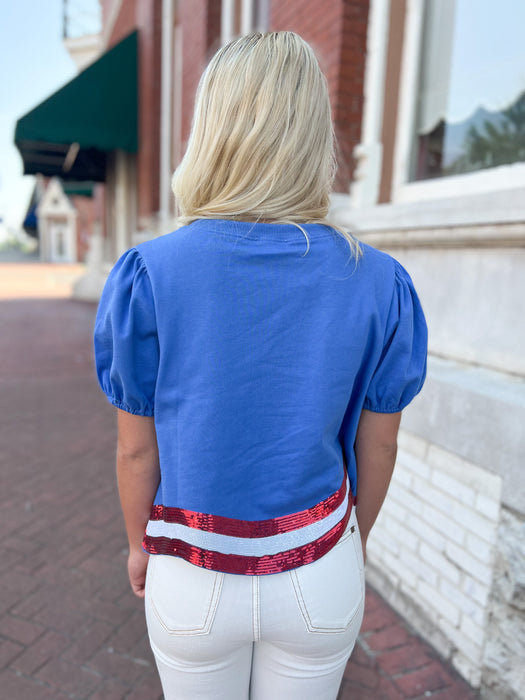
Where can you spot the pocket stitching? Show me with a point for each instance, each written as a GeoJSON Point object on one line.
{"type": "Point", "coordinates": [209, 616]}
{"type": "Point", "coordinates": [351, 532]}
{"type": "Point", "coordinates": [214, 603]}
{"type": "Point", "coordinates": [306, 617]}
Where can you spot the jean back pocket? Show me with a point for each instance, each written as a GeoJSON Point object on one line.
{"type": "Point", "coordinates": [330, 591]}
{"type": "Point", "coordinates": [183, 597]}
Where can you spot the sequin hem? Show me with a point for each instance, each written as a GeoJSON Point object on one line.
{"type": "Point", "coordinates": [251, 528]}
{"type": "Point", "coordinates": [250, 566]}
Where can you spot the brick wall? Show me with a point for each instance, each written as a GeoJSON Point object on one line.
{"type": "Point", "coordinates": [432, 550]}
{"type": "Point", "coordinates": [125, 22]}
{"type": "Point", "coordinates": [348, 113]}
{"type": "Point", "coordinates": [337, 31]}
{"type": "Point", "coordinates": [200, 20]}
{"type": "Point", "coordinates": [148, 166]}
{"type": "Point", "coordinates": [146, 17]}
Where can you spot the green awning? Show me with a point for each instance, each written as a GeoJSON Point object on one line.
{"type": "Point", "coordinates": [70, 133]}
{"type": "Point", "coordinates": [83, 188]}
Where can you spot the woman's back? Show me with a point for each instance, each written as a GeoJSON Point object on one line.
{"type": "Point", "coordinates": [256, 358]}
{"type": "Point", "coordinates": [255, 366]}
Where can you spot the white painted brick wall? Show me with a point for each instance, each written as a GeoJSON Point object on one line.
{"type": "Point", "coordinates": [475, 590]}
{"type": "Point", "coordinates": [444, 525]}
{"type": "Point", "coordinates": [467, 654]}
{"type": "Point", "coordinates": [426, 533]}
{"type": "Point", "coordinates": [445, 567]}
{"type": "Point", "coordinates": [470, 565]}
{"type": "Point", "coordinates": [451, 485]}
{"type": "Point", "coordinates": [417, 566]}
{"type": "Point", "coordinates": [488, 507]}
{"type": "Point", "coordinates": [434, 540]}
{"type": "Point", "coordinates": [441, 607]}
{"type": "Point", "coordinates": [413, 444]}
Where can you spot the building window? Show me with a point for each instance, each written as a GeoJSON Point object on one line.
{"type": "Point", "coordinates": [470, 112]}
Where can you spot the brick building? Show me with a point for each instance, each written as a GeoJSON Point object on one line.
{"type": "Point", "coordinates": [427, 103]}
{"type": "Point", "coordinates": [176, 40]}
{"type": "Point", "coordinates": [149, 57]}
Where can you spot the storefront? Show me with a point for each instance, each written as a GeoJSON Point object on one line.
{"type": "Point", "coordinates": [440, 184]}
{"type": "Point", "coordinates": [88, 131]}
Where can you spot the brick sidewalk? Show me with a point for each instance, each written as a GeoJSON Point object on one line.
{"type": "Point", "coordinates": [70, 627]}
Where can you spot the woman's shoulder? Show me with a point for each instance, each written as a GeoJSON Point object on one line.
{"type": "Point", "coordinates": [373, 257]}
{"type": "Point", "coordinates": [170, 250]}
{"type": "Point", "coordinates": [380, 275]}
{"type": "Point", "coordinates": [162, 245]}
{"type": "Point", "coordinates": [377, 266]}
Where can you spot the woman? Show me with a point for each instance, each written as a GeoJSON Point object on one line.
{"type": "Point", "coordinates": [260, 360]}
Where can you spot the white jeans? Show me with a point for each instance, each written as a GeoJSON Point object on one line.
{"type": "Point", "coordinates": [283, 636]}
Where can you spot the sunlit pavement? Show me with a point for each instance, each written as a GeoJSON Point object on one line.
{"type": "Point", "coordinates": [70, 627]}
{"type": "Point", "coordinates": [33, 279]}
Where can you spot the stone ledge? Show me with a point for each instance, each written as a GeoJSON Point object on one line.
{"type": "Point", "coordinates": [478, 415]}
{"type": "Point", "coordinates": [471, 211]}
{"type": "Point", "coordinates": [481, 236]}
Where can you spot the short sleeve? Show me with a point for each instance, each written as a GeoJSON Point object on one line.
{"type": "Point", "coordinates": [126, 340]}
{"type": "Point", "coordinates": [401, 370]}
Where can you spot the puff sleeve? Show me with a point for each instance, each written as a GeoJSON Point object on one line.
{"type": "Point", "coordinates": [126, 340]}
{"type": "Point", "coordinates": [401, 370]}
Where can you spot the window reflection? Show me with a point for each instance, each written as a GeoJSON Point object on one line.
{"type": "Point", "coordinates": [471, 102]}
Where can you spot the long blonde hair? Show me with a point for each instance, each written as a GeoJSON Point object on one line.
{"type": "Point", "coordinates": [262, 143]}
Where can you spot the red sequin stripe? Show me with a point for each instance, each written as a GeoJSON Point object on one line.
{"type": "Point", "coordinates": [250, 528]}
{"type": "Point", "coordinates": [250, 566]}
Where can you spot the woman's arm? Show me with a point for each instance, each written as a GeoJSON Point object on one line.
{"type": "Point", "coordinates": [375, 449]}
{"type": "Point", "coordinates": [138, 476]}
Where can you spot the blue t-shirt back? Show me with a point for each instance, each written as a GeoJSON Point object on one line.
{"type": "Point", "coordinates": [256, 357]}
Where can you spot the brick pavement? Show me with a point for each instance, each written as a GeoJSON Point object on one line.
{"type": "Point", "coordinates": [70, 627]}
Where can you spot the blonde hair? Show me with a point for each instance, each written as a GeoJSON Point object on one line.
{"type": "Point", "coordinates": [262, 143]}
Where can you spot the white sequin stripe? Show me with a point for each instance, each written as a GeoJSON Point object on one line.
{"type": "Point", "coordinates": [248, 546]}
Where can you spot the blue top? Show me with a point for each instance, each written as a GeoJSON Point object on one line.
{"type": "Point", "coordinates": [256, 359]}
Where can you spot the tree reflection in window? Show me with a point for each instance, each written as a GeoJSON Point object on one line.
{"type": "Point", "coordinates": [486, 140]}
{"type": "Point", "coordinates": [471, 99]}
